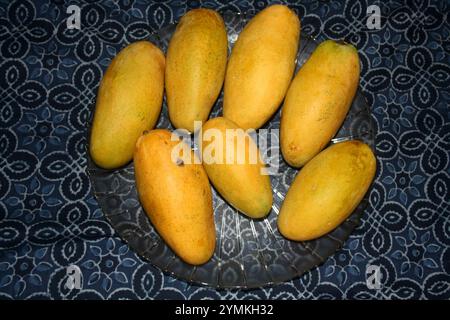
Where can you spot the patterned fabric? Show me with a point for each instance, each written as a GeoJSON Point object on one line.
{"type": "Point", "coordinates": [49, 219]}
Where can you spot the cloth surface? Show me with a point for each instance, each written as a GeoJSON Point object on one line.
{"type": "Point", "coordinates": [49, 218]}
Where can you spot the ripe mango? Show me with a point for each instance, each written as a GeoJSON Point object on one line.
{"type": "Point", "coordinates": [318, 100]}
{"type": "Point", "coordinates": [196, 62]}
{"type": "Point", "coordinates": [128, 102]}
{"type": "Point", "coordinates": [327, 190]}
{"type": "Point", "coordinates": [176, 196]}
{"type": "Point", "coordinates": [241, 178]}
{"type": "Point", "coordinates": [261, 67]}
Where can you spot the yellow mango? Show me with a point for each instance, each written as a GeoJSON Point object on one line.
{"type": "Point", "coordinates": [318, 100]}
{"type": "Point", "coordinates": [128, 102]}
{"type": "Point", "coordinates": [176, 196]}
{"type": "Point", "coordinates": [241, 179]}
{"type": "Point", "coordinates": [196, 62]}
{"type": "Point", "coordinates": [327, 190]}
{"type": "Point", "coordinates": [261, 67]}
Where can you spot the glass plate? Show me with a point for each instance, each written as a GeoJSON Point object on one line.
{"type": "Point", "coordinates": [249, 253]}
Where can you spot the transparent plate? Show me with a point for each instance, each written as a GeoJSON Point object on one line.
{"type": "Point", "coordinates": [249, 253]}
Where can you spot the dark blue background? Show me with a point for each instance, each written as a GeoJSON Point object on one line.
{"type": "Point", "coordinates": [49, 218]}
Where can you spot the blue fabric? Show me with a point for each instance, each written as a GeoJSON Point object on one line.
{"type": "Point", "coordinates": [49, 218]}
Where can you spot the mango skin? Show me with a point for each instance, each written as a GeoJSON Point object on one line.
{"type": "Point", "coordinates": [327, 190]}
{"type": "Point", "coordinates": [129, 101]}
{"type": "Point", "coordinates": [261, 67]}
{"type": "Point", "coordinates": [243, 185]}
{"type": "Point", "coordinates": [318, 100]}
{"type": "Point", "coordinates": [177, 198]}
{"type": "Point", "coordinates": [196, 63]}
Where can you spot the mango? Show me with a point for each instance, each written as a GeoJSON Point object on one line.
{"type": "Point", "coordinates": [234, 166]}
{"type": "Point", "coordinates": [318, 100]}
{"type": "Point", "coordinates": [176, 196]}
{"type": "Point", "coordinates": [327, 190]}
{"type": "Point", "coordinates": [196, 63]}
{"type": "Point", "coordinates": [261, 67]}
{"type": "Point", "coordinates": [128, 102]}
